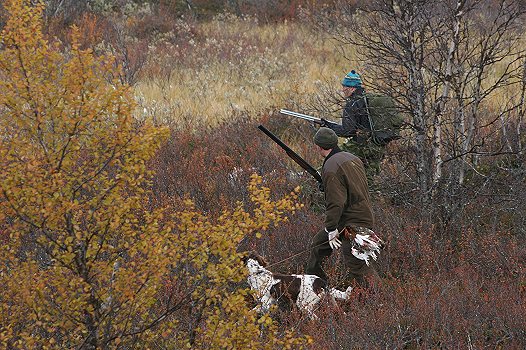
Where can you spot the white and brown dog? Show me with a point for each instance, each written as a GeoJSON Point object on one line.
{"type": "Point", "coordinates": [304, 291]}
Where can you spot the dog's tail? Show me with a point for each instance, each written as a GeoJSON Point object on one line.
{"type": "Point", "coordinates": [338, 294]}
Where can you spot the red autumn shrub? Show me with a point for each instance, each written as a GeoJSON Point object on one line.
{"type": "Point", "coordinates": [446, 284]}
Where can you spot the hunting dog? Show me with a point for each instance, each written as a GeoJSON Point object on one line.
{"type": "Point", "coordinates": [304, 291]}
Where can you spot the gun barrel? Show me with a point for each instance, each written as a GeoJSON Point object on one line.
{"type": "Point", "coordinates": [293, 155]}
{"type": "Point", "coordinates": [300, 115]}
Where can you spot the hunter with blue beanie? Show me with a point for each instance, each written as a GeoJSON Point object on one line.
{"type": "Point", "coordinates": [355, 116]}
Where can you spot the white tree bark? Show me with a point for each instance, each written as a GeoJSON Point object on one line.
{"type": "Point", "coordinates": [448, 76]}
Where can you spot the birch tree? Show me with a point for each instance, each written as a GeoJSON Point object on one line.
{"type": "Point", "coordinates": [488, 66]}
{"type": "Point", "coordinates": [443, 62]}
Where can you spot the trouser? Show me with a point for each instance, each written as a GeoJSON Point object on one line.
{"type": "Point", "coordinates": [355, 270]}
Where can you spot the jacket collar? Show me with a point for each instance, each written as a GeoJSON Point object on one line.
{"type": "Point", "coordinates": [333, 152]}
{"type": "Point", "coordinates": [358, 93]}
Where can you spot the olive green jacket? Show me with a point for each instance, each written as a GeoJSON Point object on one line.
{"type": "Point", "coordinates": [347, 201]}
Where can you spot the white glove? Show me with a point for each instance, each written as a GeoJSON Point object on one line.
{"type": "Point", "coordinates": [334, 242]}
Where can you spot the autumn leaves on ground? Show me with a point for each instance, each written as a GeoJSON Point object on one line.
{"type": "Point", "coordinates": [133, 175]}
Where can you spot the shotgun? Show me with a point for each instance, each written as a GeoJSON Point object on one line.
{"type": "Point", "coordinates": [295, 157]}
{"type": "Point", "coordinates": [315, 120]}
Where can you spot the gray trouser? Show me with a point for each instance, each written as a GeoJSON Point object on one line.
{"type": "Point", "coordinates": [356, 270]}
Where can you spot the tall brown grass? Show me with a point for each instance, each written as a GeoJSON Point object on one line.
{"type": "Point", "coordinates": [204, 73]}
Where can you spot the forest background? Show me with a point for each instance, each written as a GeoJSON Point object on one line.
{"type": "Point", "coordinates": [133, 174]}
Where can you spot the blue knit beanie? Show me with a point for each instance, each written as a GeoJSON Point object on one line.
{"type": "Point", "coordinates": [352, 79]}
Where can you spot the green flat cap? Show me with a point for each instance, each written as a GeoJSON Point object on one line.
{"type": "Point", "coordinates": [326, 138]}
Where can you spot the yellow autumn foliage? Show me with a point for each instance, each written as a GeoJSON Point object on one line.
{"type": "Point", "coordinates": [85, 263]}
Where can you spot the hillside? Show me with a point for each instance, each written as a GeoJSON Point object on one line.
{"type": "Point", "coordinates": [134, 178]}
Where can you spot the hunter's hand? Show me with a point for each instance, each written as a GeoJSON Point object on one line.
{"type": "Point", "coordinates": [334, 242]}
{"type": "Point", "coordinates": [328, 124]}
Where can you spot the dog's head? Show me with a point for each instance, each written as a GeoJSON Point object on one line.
{"type": "Point", "coordinates": [254, 256]}
{"type": "Point", "coordinates": [255, 262]}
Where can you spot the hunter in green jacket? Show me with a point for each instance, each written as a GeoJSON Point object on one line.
{"type": "Point", "coordinates": [349, 219]}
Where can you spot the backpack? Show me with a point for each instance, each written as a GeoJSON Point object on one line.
{"type": "Point", "coordinates": [384, 117]}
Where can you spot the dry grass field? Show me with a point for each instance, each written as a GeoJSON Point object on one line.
{"type": "Point", "coordinates": [144, 253]}
{"type": "Point", "coordinates": [232, 66]}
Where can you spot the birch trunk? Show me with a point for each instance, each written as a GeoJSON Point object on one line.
{"type": "Point", "coordinates": [448, 76]}
{"type": "Point", "coordinates": [521, 107]}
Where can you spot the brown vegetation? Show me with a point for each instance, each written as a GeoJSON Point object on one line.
{"type": "Point", "coordinates": [167, 273]}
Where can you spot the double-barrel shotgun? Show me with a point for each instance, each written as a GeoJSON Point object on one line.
{"type": "Point", "coordinates": [295, 157]}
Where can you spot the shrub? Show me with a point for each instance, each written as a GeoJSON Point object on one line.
{"type": "Point", "coordinates": [86, 262]}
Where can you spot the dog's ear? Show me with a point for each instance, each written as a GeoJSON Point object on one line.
{"type": "Point", "coordinates": [254, 256]}
{"type": "Point", "coordinates": [262, 261]}
{"type": "Point", "coordinates": [259, 259]}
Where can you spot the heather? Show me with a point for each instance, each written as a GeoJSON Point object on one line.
{"type": "Point", "coordinates": [203, 184]}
